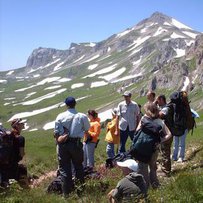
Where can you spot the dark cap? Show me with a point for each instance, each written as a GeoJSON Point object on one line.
{"type": "Point", "coordinates": [69, 101]}
{"type": "Point", "coordinates": [127, 94]}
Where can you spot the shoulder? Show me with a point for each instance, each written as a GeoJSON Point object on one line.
{"type": "Point", "coordinates": [134, 104]}
{"type": "Point", "coordinates": [82, 115]}
{"type": "Point", "coordinates": [159, 121]}
{"type": "Point", "coordinates": [60, 116]}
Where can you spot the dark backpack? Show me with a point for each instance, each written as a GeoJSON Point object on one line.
{"type": "Point", "coordinates": [182, 118]}
{"type": "Point", "coordinates": [6, 145]}
{"type": "Point", "coordinates": [146, 139]}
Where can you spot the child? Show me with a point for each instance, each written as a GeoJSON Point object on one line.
{"type": "Point", "coordinates": [111, 138]}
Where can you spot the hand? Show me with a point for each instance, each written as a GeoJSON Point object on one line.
{"type": "Point", "coordinates": [116, 132]}
{"type": "Point", "coordinates": [62, 138]}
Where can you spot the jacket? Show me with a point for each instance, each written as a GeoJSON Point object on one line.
{"type": "Point", "coordinates": [110, 135]}
{"type": "Point", "coordinates": [94, 130]}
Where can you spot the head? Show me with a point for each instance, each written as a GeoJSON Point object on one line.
{"type": "Point", "coordinates": [127, 96]}
{"type": "Point", "coordinates": [114, 112]}
{"type": "Point", "coordinates": [151, 96]}
{"type": "Point", "coordinates": [70, 102]}
{"type": "Point", "coordinates": [92, 114]}
{"type": "Point", "coordinates": [151, 110]}
{"type": "Point", "coordinates": [128, 166]}
{"type": "Point", "coordinates": [161, 100]}
{"type": "Point", "coordinates": [18, 124]}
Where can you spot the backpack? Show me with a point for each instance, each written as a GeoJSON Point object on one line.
{"type": "Point", "coordinates": [182, 118]}
{"type": "Point", "coordinates": [146, 139]}
{"type": "Point", "coordinates": [6, 145]}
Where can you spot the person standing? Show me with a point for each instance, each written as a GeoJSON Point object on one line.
{"type": "Point", "coordinates": [166, 113]}
{"type": "Point", "coordinates": [70, 127]}
{"type": "Point", "coordinates": [91, 138]}
{"type": "Point", "coordinates": [111, 138]}
{"type": "Point", "coordinates": [127, 119]}
{"type": "Point", "coordinates": [151, 96]}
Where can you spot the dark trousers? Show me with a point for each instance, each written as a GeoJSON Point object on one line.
{"type": "Point", "coordinates": [70, 152]}
{"type": "Point", "coordinates": [123, 138]}
{"type": "Point", "coordinates": [166, 156]}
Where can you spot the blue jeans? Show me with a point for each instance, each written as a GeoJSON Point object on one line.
{"type": "Point", "coordinates": [179, 146]}
{"type": "Point", "coordinates": [110, 150]}
{"type": "Point", "coordinates": [89, 149]}
{"type": "Point", "coordinates": [123, 138]}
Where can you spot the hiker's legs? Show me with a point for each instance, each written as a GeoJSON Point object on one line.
{"type": "Point", "coordinates": [64, 159]}
{"type": "Point", "coordinates": [123, 139]}
{"type": "Point", "coordinates": [110, 150]}
{"type": "Point", "coordinates": [90, 153]}
{"type": "Point", "coordinates": [182, 145]}
{"type": "Point", "coordinates": [166, 156]}
{"type": "Point", "coordinates": [77, 160]}
{"type": "Point", "coordinates": [175, 148]}
{"type": "Point", "coordinates": [143, 170]}
{"type": "Point", "coordinates": [153, 167]}
{"type": "Point", "coordinates": [85, 154]}
{"type": "Point", "coordinates": [131, 134]}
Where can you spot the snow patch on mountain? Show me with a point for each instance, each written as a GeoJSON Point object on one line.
{"type": "Point", "coordinates": [58, 66]}
{"type": "Point", "coordinates": [179, 24]}
{"type": "Point", "coordinates": [79, 59]}
{"type": "Point", "coordinates": [39, 99]}
{"type": "Point", "coordinates": [29, 95]}
{"type": "Point", "coordinates": [9, 98]}
{"type": "Point", "coordinates": [190, 34]}
{"type": "Point", "coordinates": [180, 53]}
{"type": "Point", "coordinates": [102, 71]}
{"type": "Point", "coordinates": [127, 77]}
{"type": "Point", "coordinates": [113, 75]}
{"type": "Point", "coordinates": [159, 31]}
{"type": "Point", "coordinates": [53, 87]}
{"type": "Point", "coordinates": [91, 44]}
{"type": "Point", "coordinates": [77, 85]}
{"type": "Point", "coordinates": [186, 83]}
{"type": "Point", "coordinates": [93, 66]}
{"type": "Point", "coordinates": [175, 35]}
{"type": "Point", "coordinates": [92, 58]}
{"type": "Point", "coordinates": [3, 81]}
{"type": "Point", "coordinates": [10, 72]}
{"type": "Point", "coordinates": [98, 84]}
{"type": "Point", "coordinates": [123, 33]}
{"type": "Point", "coordinates": [105, 115]}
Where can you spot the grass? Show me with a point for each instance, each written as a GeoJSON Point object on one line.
{"type": "Point", "coordinates": [184, 185]}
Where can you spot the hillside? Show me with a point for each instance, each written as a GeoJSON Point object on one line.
{"type": "Point", "coordinates": [158, 53]}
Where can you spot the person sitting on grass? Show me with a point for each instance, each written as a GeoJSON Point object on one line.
{"type": "Point", "coordinates": [132, 187]}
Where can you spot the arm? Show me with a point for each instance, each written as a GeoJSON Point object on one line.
{"type": "Point", "coordinates": [110, 197]}
{"type": "Point", "coordinates": [167, 133]}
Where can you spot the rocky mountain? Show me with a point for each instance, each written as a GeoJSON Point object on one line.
{"type": "Point", "coordinates": [158, 53]}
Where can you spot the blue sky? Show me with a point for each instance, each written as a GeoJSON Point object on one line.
{"type": "Point", "coordinates": [28, 24]}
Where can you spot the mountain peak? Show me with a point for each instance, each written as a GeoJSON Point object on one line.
{"type": "Point", "coordinates": [156, 17]}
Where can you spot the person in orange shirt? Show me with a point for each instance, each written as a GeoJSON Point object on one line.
{"type": "Point", "coordinates": [111, 138]}
{"type": "Point", "coordinates": [91, 138]}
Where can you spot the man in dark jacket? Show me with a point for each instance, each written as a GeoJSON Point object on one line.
{"type": "Point", "coordinates": [132, 187]}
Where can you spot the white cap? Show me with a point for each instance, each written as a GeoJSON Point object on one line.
{"type": "Point", "coordinates": [129, 163]}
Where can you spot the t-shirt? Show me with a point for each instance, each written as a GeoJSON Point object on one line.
{"type": "Point", "coordinates": [128, 114]}
{"type": "Point", "coordinates": [18, 142]}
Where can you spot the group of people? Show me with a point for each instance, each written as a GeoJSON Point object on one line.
{"type": "Point", "coordinates": [77, 136]}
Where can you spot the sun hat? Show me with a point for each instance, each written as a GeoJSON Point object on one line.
{"type": "Point", "coordinates": [129, 163]}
